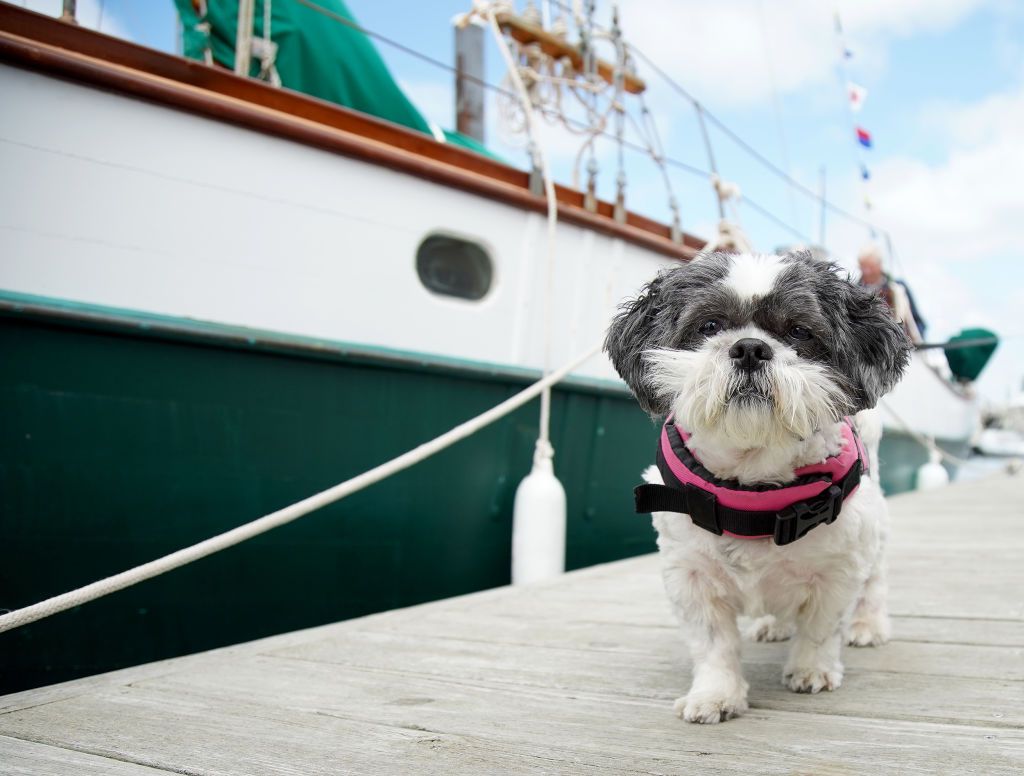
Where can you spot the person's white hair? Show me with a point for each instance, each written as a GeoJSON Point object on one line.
{"type": "Point", "coordinates": [870, 251]}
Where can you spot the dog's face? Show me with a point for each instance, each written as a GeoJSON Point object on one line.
{"type": "Point", "coordinates": [758, 348]}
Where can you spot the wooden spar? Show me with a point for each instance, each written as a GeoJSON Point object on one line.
{"type": "Point", "coordinates": [557, 47]}
{"type": "Point", "coordinates": [470, 98]}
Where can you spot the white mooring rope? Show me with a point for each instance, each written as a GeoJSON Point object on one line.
{"type": "Point", "coordinates": [926, 442]}
{"type": "Point", "coordinates": [540, 162]}
{"type": "Point", "coordinates": [112, 584]}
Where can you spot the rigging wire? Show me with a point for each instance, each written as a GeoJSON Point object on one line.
{"type": "Point", "coordinates": [744, 200]}
{"type": "Point", "coordinates": [670, 161]}
{"type": "Point", "coordinates": [709, 149]}
{"type": "Point", "coordinates": [765, 161]}
{"type": "Point", "coordinates": [705, 114]}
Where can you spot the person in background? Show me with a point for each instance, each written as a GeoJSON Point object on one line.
{"type": "Point", "coordinates": [895, 292]}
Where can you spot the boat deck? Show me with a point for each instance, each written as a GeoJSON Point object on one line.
{"type": "Point", "coordinates": [576, 676]}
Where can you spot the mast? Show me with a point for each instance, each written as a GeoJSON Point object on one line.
{"type": "Point", "coordinates": [469, 79]}
{"type": "Point", "coordinates": [68, 14]}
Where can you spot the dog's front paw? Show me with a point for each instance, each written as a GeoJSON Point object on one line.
{"type": "Point", "coordinates": [768, 628]}
{"type": "Point", "coordinates": [812, 680]}
{"type": "Point", "coordinates": [868, 631]}
{"type": "Point", "coordinates": [710, 704]}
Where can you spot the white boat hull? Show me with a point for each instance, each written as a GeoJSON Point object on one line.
{"type": "Point", "coordinates": [165, 212]}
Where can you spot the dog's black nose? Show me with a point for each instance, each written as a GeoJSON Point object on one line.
{"type": "Point", "coordinates": [750, 354]}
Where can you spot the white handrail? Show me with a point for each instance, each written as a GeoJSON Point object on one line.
{"type": "Point", "coordinates": [222, 541]}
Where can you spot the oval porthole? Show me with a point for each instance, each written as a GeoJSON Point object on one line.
{"type": "Point", "coordinates": [453, 267]}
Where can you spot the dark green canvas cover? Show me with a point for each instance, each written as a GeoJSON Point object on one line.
{"type": "Point", "coordinates": [967, 362]}
{"type": "Point", "coordinates": [322, 53]}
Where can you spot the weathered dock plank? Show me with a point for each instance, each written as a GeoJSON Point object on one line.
{"type": "Point", "coordinates": [577, 676]}
{"type": "Point", "coordinates": [20, 758]}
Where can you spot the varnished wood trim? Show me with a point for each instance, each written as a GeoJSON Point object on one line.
{"type": "Point", "coordinates": [43, 44]}
{"type": "Point", "coordinates": [554, 46]}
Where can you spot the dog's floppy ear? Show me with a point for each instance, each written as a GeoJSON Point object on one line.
{"type": "Point", "coordinates": [879, 348]}
{"type": "Point", "coordinates": [636, 328]}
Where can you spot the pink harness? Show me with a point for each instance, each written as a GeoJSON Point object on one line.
{"type": "Point", "coordinates": [783, 512]}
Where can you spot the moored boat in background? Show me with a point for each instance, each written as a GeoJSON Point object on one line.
{"type": "Point", "coordinates": [239, 294]}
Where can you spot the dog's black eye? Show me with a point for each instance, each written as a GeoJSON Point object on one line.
{"type": "Point", "coordinates": [710, 327]}
{"type": "Point", "coordinates": [800, 333]}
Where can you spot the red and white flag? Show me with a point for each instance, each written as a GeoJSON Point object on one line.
{"type": "Point", "coordinates": [857, 94]}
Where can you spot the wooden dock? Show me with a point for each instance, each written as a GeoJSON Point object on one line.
{"type": "Point", "coordinates": [577, 676]}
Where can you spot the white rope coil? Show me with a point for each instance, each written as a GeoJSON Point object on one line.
{"type": "Point", "coordinates": [112, 584]}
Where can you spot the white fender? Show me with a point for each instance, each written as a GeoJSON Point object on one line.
{"type": "Point", "coordinates": [932, 474]}
{"type": "Point", "coordinates": [538, 522]}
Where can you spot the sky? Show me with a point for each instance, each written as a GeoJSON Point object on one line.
{"type": "Point", "coordinates": [945, 107]}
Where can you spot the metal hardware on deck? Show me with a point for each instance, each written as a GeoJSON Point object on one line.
{"type": "Point", "coordinates": [620, 198]}
{"type": "Point", "coordinates": [677, 229]}
{"type": "Point", "coordinates": [590, 198]}
{"type": "Point", "coordinates": [68, 14]}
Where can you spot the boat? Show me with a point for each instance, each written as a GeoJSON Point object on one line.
{"type": "Point", "coordinates": [1003, 432]}
{"type": "Point", "coordinates": [935, 409]}
{"type": "Point", "coordinates": [239, 294]}
{"type": "Point", "coordinates": [925, 411]}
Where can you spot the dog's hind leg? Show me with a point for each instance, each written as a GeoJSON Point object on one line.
{"type": "Point", "coordinates": [868, 623]}
{"type": "Point", "coordinates": [764, 623]}
{"type": "Point", "coordinates": [706, 601]}
{"type": "Point", "coordinates": [768, 627]}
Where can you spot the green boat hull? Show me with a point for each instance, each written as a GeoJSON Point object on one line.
{"type": "Point", "coordinates": [124, 440]}
{"type": "Point", "coordinates": [124, 437]}
{"type": "Point", "coordinates": [900, 456]}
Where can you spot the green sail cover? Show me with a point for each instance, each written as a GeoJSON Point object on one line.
{"type": "Point", "coordinates": [318, 54]}
{"type": "Point", "coordinates": [967, 362]}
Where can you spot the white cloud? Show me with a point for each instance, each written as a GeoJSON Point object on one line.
{"type": "Point", "coordinates": [969, 205]}
{"type": "Point", "coordinates": [720, 49]}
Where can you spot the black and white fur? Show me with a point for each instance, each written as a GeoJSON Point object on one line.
{"type": "Point", "coordinates": [833, 350]}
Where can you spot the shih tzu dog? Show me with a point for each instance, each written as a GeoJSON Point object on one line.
{"type": "Point", "coordinates": [765, 496]}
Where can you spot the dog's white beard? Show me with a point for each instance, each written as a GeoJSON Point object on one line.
{"type": "Point", "coordinates": [787, 398]}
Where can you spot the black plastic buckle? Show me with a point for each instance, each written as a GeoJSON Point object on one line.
{"type": "Point", "coordinates": [702, 507]}
{"type": "Point", "coordinates": [795, 521]}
